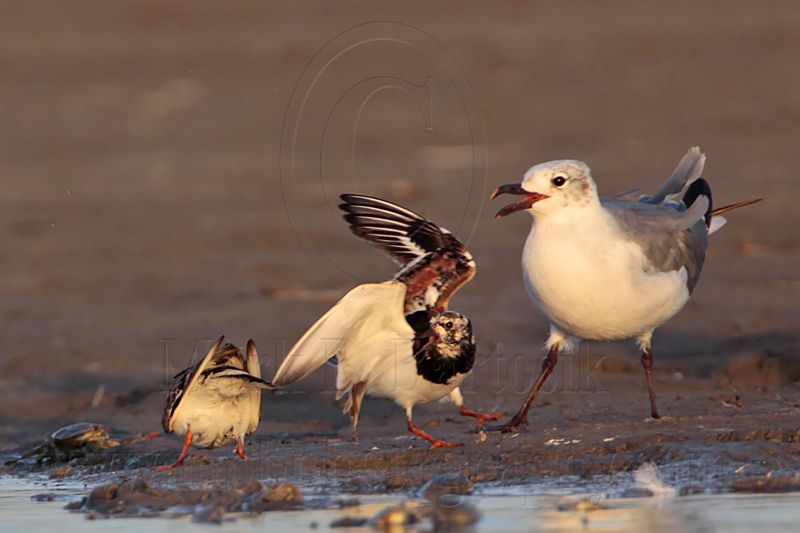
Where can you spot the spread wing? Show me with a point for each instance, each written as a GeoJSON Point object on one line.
{"type": "Point", "coordinates": [367, 321]}
{"type": "Point", "coordinates": [435, 263]}
{"type": "Point", "coordinates": [403, 234]}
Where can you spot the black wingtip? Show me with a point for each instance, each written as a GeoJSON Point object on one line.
{"type": "Point", "coordinates": [698, 188]}
{"type": "Point", "coordinates": [350, 198]}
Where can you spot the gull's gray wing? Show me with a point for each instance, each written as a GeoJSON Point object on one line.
{"type": "Point", "coordinates": [670, 236]}
{"type": "Point", "coordinates": [689, 169]}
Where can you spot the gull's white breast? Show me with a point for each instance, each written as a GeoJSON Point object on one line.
{"type": "Point", "coordinates": [593, 283]}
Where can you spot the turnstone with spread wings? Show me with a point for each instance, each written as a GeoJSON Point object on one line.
{"type": "Point", "coordinates": [396, 339]}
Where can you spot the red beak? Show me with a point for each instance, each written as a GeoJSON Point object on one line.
{"type": "Point", "coordinates": [515, 188]}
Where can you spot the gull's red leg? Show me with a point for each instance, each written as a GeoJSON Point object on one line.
{"type": "Point", "coordinates": [480, 418]}
{"type": "Point", "coordinates": [437, 443]}
{"type": "Point", "coordinates": [521, 418]}
{"type": "Point", "coordinates": [647, 364]}
{"type": "Point", "coordinates": [240, 450]}
{"type": "Point", "coordinates": [186, 443]}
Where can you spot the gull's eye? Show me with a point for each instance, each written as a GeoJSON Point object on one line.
{"type": "Point", "coordinates": [448, 325]}
{"type": "Point", "coordinates": [558, 181]}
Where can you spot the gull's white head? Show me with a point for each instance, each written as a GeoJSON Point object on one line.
{"type": "Point", "coordinates": [551, 186]}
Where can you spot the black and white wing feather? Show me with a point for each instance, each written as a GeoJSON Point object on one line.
{"type": "Point", "coordinates": [435, 263]}
{"type": "Point", "coordinates": [403, 234]}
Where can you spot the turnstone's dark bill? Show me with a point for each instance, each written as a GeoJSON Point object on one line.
{"type": "Point", "coordinates": [396, 339]}
{"type": "Point", "coordinates": [610, 269]}
{"type": "Point", "coordinates": [216, 401]}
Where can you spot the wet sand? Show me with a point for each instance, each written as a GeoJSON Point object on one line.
{"type": "Point", "coordinates": [162, 185]}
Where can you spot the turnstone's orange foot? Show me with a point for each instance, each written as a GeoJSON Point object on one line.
{"type": "Point", "coordinates": [480, 418]}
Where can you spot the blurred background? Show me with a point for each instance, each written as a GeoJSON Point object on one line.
{"type": "Point", "coordinates": [170, 173]}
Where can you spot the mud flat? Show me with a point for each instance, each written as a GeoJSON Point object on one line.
{"type": "Point", "coordinates": [146, 209]}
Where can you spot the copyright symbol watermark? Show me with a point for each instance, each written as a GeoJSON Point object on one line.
{"type": "Point", "coordinates": [382, 108]}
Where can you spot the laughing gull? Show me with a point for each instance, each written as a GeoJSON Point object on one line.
{"type": "Point", "coordinates": [215, 401]}
{"type": "Point", "coordinates": [610, 269]}
{"type": "Point", "coordinates": [396, 339]}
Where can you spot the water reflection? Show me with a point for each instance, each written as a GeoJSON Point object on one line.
{"type": "Point", "coordinates": [502, 512]}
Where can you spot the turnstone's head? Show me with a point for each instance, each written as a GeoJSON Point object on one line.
{"type": "Point", "coordinates": [550, 186]}
{"type": "Point", "coordinates": [453, 331]}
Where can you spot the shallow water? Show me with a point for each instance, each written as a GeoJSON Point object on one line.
{"type": "Point", "coordinates": [503, 509]}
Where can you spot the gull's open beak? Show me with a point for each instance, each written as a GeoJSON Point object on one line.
{"type": "Point", "coordinates": [515, 188]}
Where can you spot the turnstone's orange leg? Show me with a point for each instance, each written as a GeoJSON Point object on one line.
{"type": "Point", "coordinates": [240, 450]}
{"type": "Point", "coordinates": [480, 418]}
{"type": "Point", "coordinates": [186, 443]}
{"type": "Point", "coordinates": [437, 443]}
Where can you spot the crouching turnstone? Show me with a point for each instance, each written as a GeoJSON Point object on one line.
{"type": "Point", "coordinates": [215, 401]}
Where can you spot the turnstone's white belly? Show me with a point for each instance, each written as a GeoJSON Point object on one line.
{"type": "Point", "coordinates": [403, 384]}
{"type": "Point", "coordinates": [212, 419]}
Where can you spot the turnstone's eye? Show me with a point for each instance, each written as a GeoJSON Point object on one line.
{"type": "Point", "coordinates": [448, 325]}
{"type": "Point", "coordinates": [558, 181]}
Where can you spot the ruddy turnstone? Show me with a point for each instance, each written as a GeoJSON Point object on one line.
{"type": "Point", "coordinates": [434, 264]}
{"type": "Point", "coordinates": [215, 401]}
{"type": "Point", "coordinates": [610, 269]}
{"type": "Point", "coordinates": [395, 339]}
